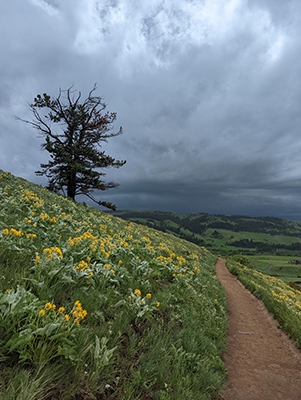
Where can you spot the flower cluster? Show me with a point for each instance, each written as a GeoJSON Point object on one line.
{"type": "Point", "coordinates": [12, 231]}
{"type": "Point", "coordinates": [15, 232]}
{"type": "Point", "coordinates": [53, 251]}
{"type": "Point", "coordinates": [31, 236]}
{"type": "Point", "coordinates": [45, 216]}
{"type": "Point", "coordinates": [77, 313]}
{"type": "Point", "coordinates": [142, 300]}
{"type": "Point", "coordinates": [82, 266]}
{"type": "Point", "coordinates": [31, 197]}
{"type": "Point", "coordinates": [49, 306]}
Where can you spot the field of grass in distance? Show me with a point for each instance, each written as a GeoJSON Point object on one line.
{"type": "Point", "coordinates": [278, 266]}
{"type": "Point", "coordinates": [92, 306]}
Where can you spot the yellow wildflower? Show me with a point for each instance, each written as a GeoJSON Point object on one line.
{"type": "Point", "coordinates": [137, 292]}
{"type": "Point", "coordinates": [49, 251]}
{"type": "Point", "coordinates": [82, 265]}
{"type": "Point", "coordinates": [31, 235]}
{"type": "Point", "coordinates": [106, 253]}
{"type": "Point", "coordinates": [44, 216]}
{"type": "Point", "coordinates": [58, 251]}
{"type": "Point", "coordinates": [42, 313]}
{"type": "Point", "coordinates": [158, 304]}
{"type": "Point", "coordinates": [148, 296]}
{"type": "Point", "coordinates": [49, 306]}
{"type": "Point", "coordinates": [78, 313]}
{"type": "Point", "coordinates": [15, 232]}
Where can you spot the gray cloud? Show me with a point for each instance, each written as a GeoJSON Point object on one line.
{"type": "Point", "coordinates": [208, 94]}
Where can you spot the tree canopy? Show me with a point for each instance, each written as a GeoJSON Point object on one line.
{"type": "Point", "coordinates": [73, 132]}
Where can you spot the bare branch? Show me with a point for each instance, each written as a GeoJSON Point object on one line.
{"type": "Point", "coordinates": [92, 90]}
{"type": "Point", "coordinates": [40, 125]}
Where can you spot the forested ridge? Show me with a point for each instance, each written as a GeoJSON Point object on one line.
{"type": "Point", "coordinates": [230, 233]}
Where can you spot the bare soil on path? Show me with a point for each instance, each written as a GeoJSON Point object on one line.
{"type": "Point", "coordinates": [262, 362]}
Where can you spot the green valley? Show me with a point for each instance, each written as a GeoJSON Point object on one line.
{"type": "Point", "coordinates": [226, 234]}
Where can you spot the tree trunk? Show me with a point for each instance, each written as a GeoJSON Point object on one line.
{"type": "Point", "coordinates": [71, 187]}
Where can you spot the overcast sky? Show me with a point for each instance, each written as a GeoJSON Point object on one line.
{"type": "Point", "coordinates": [208, 93]}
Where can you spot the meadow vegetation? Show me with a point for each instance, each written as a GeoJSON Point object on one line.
{"type": "Point", "coordinates": [94, 307]}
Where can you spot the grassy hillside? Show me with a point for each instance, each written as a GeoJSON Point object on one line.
{"type": "Point", "coordinates": [225, 233]}
{"type": "Point", "coordinates": [94, 307]}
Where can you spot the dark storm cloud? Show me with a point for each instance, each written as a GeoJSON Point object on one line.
{"type": "Point", "coordinates": [208, 94]}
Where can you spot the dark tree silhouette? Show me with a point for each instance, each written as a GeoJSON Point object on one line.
{"type": "Point", "coordinates": [73, 133]}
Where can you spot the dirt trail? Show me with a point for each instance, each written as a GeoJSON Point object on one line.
{"type": "Point", "coordinates": [262, 362]}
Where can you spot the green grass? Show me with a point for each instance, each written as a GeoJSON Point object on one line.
{"type": "Point", "coordinates": [92, 306]}
{"type": "Point", "coordinates": [227, 237]}
{"type": "Point", "coordinates": [278, 266]}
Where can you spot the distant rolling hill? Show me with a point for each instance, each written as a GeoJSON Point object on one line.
{"type": "Point", "coordinates": [228, 234]}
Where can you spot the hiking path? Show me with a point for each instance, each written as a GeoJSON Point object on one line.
{"type": "Point", "coordinates": [262, 362]}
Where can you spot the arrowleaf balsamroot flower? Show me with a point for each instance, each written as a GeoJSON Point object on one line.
{"type": "Point", "coordinates": [50, 306]}
{"type": "Point", "coordinates": [49, 251]}
{"type": "Point", "coordinates": [12, 231]}
{"type": "Point", "coordinates": [78, 312]}
{"type": "Point", "coordinates": [82, 265]}
{"type": "Point", "coordinates": [31, 235]}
